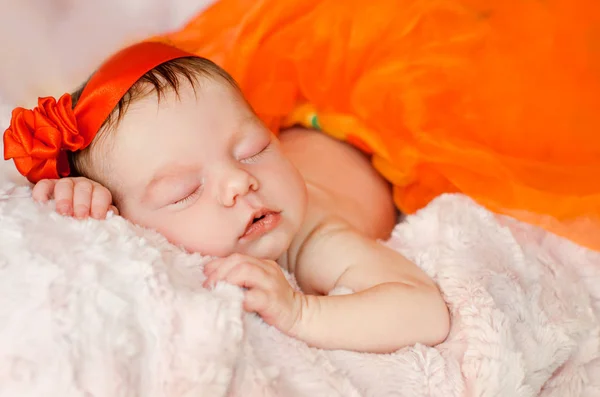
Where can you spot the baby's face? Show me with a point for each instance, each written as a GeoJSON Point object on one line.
{"type": "Point", "coordinates": [200, 168]}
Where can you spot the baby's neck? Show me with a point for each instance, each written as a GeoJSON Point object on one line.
{"type": "Point", "coordinates": [317, 214]}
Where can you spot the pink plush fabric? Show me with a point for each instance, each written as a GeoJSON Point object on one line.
{"type": "Point", "coordinates": [91, 308]}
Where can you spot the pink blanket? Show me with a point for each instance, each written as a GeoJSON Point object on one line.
{"type": "Point", "coordinates": [92, 308]}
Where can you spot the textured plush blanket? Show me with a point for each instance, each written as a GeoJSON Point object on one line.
{"type": "Point", "coordinates": [102, 308]}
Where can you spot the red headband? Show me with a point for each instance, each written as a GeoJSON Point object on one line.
{"type": "Point", "coordinates": [38, 139]}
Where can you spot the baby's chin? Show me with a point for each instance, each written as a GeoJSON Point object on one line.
{"type": "Point", "coordinates": [262, 251]}
{"type": "Point", "coordinates": [271, 246]}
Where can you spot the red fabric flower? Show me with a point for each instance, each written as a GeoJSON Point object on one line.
{"type": "Point", "coordinates": [37, 139]}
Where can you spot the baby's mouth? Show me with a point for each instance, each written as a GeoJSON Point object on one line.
{"type": "Point", "coordinates": [258, 219]}
{"type": "Point", "coordinates": [261, 222]}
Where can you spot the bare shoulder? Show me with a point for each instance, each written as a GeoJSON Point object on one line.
{"type": "Point", "coordinates": [309, 256]}
{"type": "Point", "coordinates": [347, 185]}
{"type": "Point", "coordinates": [334, 254]}
{"type": "Point", "coordinates": [330, 252]}
{"type": "Point", "coordinates": [349, 208]}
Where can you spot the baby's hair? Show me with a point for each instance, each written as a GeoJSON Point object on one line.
{"type": "Point", "coordinates": [163, 78]}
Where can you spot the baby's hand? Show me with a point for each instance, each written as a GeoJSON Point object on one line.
{"type": "Point", "coordinates": [268, 292]}
{"type": "Point", "coordinates": [79, 197]}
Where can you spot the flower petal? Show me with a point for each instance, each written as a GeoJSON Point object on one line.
{"type": "Point", "coordinates": [37, 139]}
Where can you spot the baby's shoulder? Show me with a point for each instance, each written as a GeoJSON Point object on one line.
{"type": "Point", "coordinates": [328, 247]}
{"type": "Point", "coordinates": [341, 181]}
{"type": "Point", "coordinates": [325, 222]}
{"type": "Point", "coordinates": [318, 250]}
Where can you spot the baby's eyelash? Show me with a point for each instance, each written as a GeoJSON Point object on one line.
{"type": "Point", "coordinates": [189, 197]}
{"type": "Point", "coordinates": [252, 159]}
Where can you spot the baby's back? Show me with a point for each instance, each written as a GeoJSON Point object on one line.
{"type": "Point", "coordinates": [344, 180]}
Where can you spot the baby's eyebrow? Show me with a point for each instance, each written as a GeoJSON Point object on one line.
{"type": "Point", "coordinates": [249, 120]}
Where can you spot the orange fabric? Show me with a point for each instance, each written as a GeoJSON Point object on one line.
{"type": "Point", "coordinates": [498, 99]}
{"type": "Point", "coordinates": [37, 139]}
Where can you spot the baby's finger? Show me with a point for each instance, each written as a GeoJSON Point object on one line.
{"type": "Point", "coordinates": [101, 200]}
{"type": "Point", "coordinates": [248, 275]}
{"type": "Point", "coordinates": [227, 261]}
{"type": "Point", "coordinates": [271, 267]}
{"type": "Point", "coordinates": [63, 194]}
{"type": "Point", "coordinates": [43, 190]}
{"type": "Point", "coordinates": [213, 265]}
{"type": "Point", "coordinates": [82, 198]}
{"type": "Point", "coordinates": [219, 272]}
{"type": "Point", "coordinates": [114, 209]}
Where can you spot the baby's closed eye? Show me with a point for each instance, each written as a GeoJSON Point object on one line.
{"type": "Point", "coordinates": [253, 158]}
{"type": "Point", "coordinates": [250, 149]}
{"type": "Point", "coordinates": [187, 197]}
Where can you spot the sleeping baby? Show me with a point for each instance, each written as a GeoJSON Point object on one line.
{"type": "Point", "coordinates": [168, 138]}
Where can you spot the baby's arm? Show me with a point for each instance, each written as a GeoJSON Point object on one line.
{"type": "Point", "coordinates": [395, 303]}
{"type": "Point", "coordinates": [79, 197]}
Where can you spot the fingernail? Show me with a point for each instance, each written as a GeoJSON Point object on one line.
{"type": "Point", "coordinates": [63, 210]}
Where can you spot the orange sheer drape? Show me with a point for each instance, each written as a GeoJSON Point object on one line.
{"type": "Point", "coordinates": [497, 99]}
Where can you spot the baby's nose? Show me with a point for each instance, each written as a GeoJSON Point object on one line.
{"type": "Point", "coordinates": [237, 183]}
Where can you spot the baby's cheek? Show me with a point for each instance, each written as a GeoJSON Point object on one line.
{"type": "Point", "coordinates": [210, 235]}
{"type": "Point", "coordinates": [283, 174]}
{"type": "Point", "coordinates": [294, 183]}
{"type": "Point", "coordinates": [208, 245]}
{"type": "Point", "coordinates": [289, 190]}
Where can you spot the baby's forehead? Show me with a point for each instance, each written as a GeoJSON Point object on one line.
{"type": "Point", "coordinates": [211, 108]}
{"type": "Point", "coordinates": [207, 92]}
